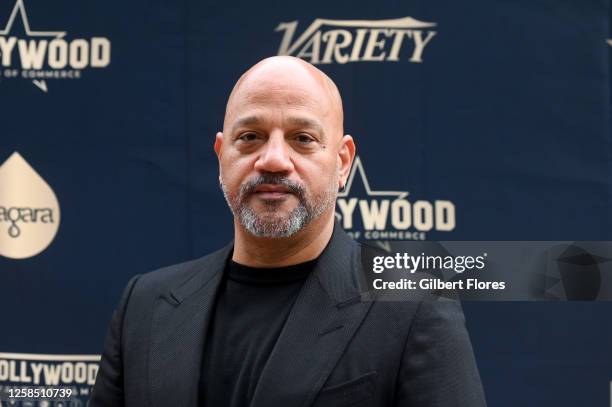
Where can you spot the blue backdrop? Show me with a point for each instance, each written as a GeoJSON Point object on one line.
{"type": "Point", "coordinates": [492, 119]}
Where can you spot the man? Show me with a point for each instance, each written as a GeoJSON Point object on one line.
{"type": "Point", "coordinates": [277, 318]}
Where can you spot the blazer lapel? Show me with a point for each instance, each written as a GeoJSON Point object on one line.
{"type": "Point", "coordinates": [178, 332]}
{"type": "Point", "coordinates": [324, 318]}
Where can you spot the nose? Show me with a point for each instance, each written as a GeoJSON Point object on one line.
{"type": "Point", "coordinates": [275, 155]}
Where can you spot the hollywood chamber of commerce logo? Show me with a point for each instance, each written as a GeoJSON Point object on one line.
{"type": "Point", "coordinates": [39, 56]}
{"type": "Point", "coordinates": [388, 215]}
{"type": "Point", "coordinates": [29, 210]}
{"type": "Point", "coordinates": [75, 372]}
{"type": "Point", "coordinates": [340, 41]}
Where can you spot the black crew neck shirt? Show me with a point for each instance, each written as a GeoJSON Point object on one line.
{"type": "Point", "coordinates": [250, 310]}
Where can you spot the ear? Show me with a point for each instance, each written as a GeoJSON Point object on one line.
{"type": "Point", "coordinates": [346, 154]}
{"type": "Point", "coordinates": [218, 143]}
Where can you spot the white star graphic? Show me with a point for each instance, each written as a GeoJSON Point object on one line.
{"type": "Point", "coordinates": [20, 8]}
{"type": "Point", "coordinates": [357, 165]}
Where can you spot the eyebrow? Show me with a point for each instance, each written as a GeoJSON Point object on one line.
{"type": "Point", "coordinates": [295, 120]}
{"type": "Point", "coordinates": [246, 121]}
{"type": "Point", "coordinates": [306, 122]}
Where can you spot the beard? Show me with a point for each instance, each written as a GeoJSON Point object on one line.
{"type": "Point", "coordinates": [271, 222]}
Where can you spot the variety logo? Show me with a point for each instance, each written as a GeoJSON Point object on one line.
{"type": "Point", "coordinates": [29, 211]}
{"type": "Point", "coordinates": [43, 55]}
{"type": "Point", "coordinates": [341, 41]}
{"type": "Point", "coordinates": [389, 215]}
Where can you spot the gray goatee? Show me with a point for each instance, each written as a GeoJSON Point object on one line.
{"type": "Point", "coordinates": [271, 223]}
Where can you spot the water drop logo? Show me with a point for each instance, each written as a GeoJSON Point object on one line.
{"type": "Point", "coordinates": [29, 210]}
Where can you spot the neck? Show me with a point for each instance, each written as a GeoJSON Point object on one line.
{"type": "Point", "coordinates": [305, 245]}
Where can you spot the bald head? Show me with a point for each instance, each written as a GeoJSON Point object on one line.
{"type": "Point", "coordinates": [291, 80]}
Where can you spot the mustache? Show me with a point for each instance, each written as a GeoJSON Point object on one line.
{"type": "Point", "coordinates": [294, 187]}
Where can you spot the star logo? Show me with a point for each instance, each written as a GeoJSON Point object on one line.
{"type": "Point", "coordinates": [46, 54]}
{"type": "Point", "coordinates": [19, 8]}
{"type": "Point", "coordinates": [358, 166]}
{"type": "Point", "coordinates": [383, 215]}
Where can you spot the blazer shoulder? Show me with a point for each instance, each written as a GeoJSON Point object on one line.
{"type": "Point", "coordinates": [159, 282]}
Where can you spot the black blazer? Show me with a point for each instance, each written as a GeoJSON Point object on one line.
{"type": "Point", "coordinates": [335, 348]}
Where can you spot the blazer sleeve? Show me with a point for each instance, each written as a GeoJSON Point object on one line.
{"type": "Point", "coordinates": [108, 389]}
{"type": "Point", "coordinates": [438, 366]}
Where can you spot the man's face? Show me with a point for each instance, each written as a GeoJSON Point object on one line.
{"type": "Point", "coordinates": [278, 154]}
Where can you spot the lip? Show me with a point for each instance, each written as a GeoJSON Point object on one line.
{"type": "Point", "coordinates": [272, 195]}
{"type": "Point", "coordinates": [271, 188]}
{"type": "Point", "coordinates": [271, 192]}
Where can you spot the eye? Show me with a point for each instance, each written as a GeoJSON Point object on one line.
{"type": "Point", "coordinates": [246, 137]}
{"type": "Point", "coordinates": [304, 138]}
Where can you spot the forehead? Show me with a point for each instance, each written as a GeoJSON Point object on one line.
{"type": "Point", "coordinates": [271, 93]}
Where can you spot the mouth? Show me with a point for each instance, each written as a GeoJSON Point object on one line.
{"type": "Point", "coordinates": [271, 192]}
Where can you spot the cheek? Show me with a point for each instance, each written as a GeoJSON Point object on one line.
{"type": "Point", "coordinates": [235, 170]}
{"type": "Point", "coordinates": [317, 176]}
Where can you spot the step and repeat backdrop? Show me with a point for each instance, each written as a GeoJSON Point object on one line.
{"type": "Point", "coordinates": [474, 120]}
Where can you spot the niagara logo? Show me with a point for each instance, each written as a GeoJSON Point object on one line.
{"type": "Point", "coordinates": [389, 215]}
{"type": "Point", "coordinates": [44, 55]}
{"type": "Point", "coordinates": [29, 210]}
{"type": "Point", "coordinates": [341, 41]}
